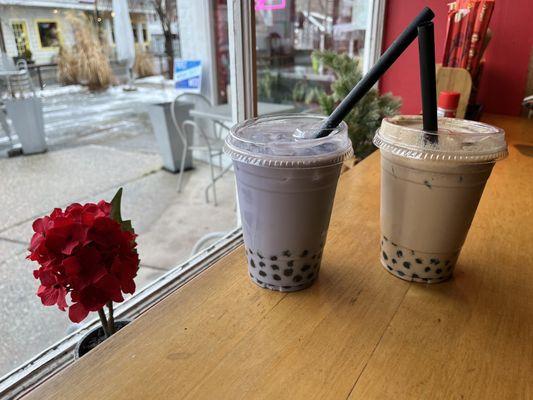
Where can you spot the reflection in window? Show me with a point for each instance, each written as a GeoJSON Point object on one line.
{"type": "Point", "coordinates": [48, 33]}
{"type": "Point", "coordinates": [287, 36]}
{"type": "Point", "coordinates": [135, 36]}
{"type": "Point", "coordinates": [145, 33]}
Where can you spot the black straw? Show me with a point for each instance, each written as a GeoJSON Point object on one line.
{"type": "Point", "coordinates": [385, 61]}
{"type": "Point", "coordinates": [426, 52]}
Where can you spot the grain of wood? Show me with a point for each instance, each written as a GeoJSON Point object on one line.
{"type": "Point", "coordinates": [358, 332]}
{"type": "Point", "coordinates": [471, 337]}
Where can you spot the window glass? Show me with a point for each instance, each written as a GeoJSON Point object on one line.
{"type": "Point", "coordinates": [145, 32]}
{"type": "Point", "coordinates": [287, 34]}
{"type": "Point", "coordinates": [48, 33]}
{"type": "Point", "coordinates": [20, 34]}
{"type": "Point", "coordinates": [102, 108]}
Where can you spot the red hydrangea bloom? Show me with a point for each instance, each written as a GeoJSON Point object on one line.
{"type": "Point", "coordinates": [83, 252]}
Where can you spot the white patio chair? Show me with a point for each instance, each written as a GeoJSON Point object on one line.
{"type": "Point", "coordinates": [210, 144]}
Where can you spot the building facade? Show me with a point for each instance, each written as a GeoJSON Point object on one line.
{"type": "Point", "coordinates": [34, 29]}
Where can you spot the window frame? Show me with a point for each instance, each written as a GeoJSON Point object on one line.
{"type": "Point", "coordinates": [38, 21]}
{"type": "Point", "coordinates": [24, 23]}
{"type": "Point", "coordinates": [374, 33]}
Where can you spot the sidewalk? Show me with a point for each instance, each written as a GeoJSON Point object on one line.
{"type": "Point", "coordinates": [111, 145]}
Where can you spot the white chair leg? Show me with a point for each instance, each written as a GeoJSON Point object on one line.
{"type": "Point", "coordinates": [213, 182]}
{"type": "Point", "coordinates": [182, 168]}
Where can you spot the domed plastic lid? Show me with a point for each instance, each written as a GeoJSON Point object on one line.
{"type": "Point", "coordinates": [287, 141]}
{"type": "Point", "coordinates": [457, 140]}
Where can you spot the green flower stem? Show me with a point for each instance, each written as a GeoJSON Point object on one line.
{"type": "Point", "coordinates": [111, 320]}
{"type": "Point", "coordinates": [104, 322]}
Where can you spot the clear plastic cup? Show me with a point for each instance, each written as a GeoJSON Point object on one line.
{"type": "Point", "coordinates": [286, 182]}
{"type": "Point", "coordinates": [430, 190]}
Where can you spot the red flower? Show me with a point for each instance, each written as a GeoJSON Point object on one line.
{"type": "Point", "coordinates": [83, 252]}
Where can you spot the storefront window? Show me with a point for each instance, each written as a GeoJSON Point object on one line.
{"type": "Point", "coordinates": [101, 115]}
{"type": "Point", "coordinates": [287, 34]}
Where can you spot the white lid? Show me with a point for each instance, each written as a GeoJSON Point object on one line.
{"type": "Point", "coordinates": [287, 141]}
{"type": "Point", "coordinates": [457, 140]}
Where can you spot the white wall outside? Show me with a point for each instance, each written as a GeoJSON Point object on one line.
{"type": "Point", "coordinates": [196, 32]}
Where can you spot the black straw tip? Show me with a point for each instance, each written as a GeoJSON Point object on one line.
{"type": "Point", "coordinates": [429, 12]}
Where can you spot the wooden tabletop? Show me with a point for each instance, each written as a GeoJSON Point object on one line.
{"type": "Point", "coordinates": [222, 112]}
{"type": "Point", "coordinates": [359, 332]}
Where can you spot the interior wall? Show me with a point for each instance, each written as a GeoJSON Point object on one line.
{"type": "Point", "coordinates": [503, 83]}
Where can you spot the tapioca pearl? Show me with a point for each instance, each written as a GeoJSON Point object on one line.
{"type": "Point", "coordinates": [415, 276]}
{"type": "Point", "coordinates": [290, 263]}
{"type": "Point", "coordinates": [385, 257]}
{"type": "Point", "coordinates": [401, 273]}
{"type": "Point", "coordinates": [260, 255]}
{"type": "Point", "coordinates": [304, 253]}
{"type": "Point", "coordinates": [394, 261]}
{"type": "Point", "coordinates": [406, 264]}
{"type": "Point", "coordinates": [389, 267]}
{"type": "Point", "coordinates": [394, 244]}
{"type": "Point", "coordinates": [434, 261]}
{"type": "Point", "coordinates": [399, 253]}
{"type": "Point", "coordinates": [287, 253]}
{"type": "Point", "coordinates": [438, 270]}
{"type": "Point", "coordinates": [311, 275]}
{"type": "Point", "coordinates": [305, 267]}
{"type": "Point", "coordinates": [418, 260]}
{"type": "Point", "coordinates": [412, 252]}
{"type": "Point", "coordinates": [276, 277]}
{"type": "Point", "coordinates": [252, 263]}
{"type": "Point", "coordinates": [251, 276]}
{"type": "Point", "coordinates": [262, 273]}
{"type": "Point", "coordinates": [297, 278]}
{"type": "Point", "coordinates": [382, 242]}
{"type": "Point", "coordinates": [250, 251]}
{"type": "Point", "coordinates": [274, 258]}
{"type": "Point", "coordinates": [385, 237]}
{"type": "Point", "coordinates": [274, 267]}
{"type": "Point", "coordinates": [261, 264]}
{"type": "Point", "coordinates": [427, 269]}
{"type": "Point", "coordinates": [288, 272]}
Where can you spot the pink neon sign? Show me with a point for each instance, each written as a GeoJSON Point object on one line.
{"type": "Point", "coordinates": [270, 4]}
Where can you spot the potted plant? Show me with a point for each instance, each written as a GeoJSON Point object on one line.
{"type": "Point", "coordinates": [87, 260]}
{"type": "Point", "coordinates": [365, 118]}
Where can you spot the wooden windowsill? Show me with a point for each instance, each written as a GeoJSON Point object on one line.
{"type": "Point", "coordinates": [359, 332]}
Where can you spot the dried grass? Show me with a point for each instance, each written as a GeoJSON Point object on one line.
{"type": "Point", "coordinates": [67, 70]}
{"type": "Point", "coordinates": [144, 63]}
{"type": "Point", "coordinates": [86, 62]}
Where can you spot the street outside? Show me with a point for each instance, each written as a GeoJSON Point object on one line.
{"type": "Point", "coordinates": [97, 143]}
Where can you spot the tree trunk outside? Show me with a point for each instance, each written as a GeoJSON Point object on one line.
{"type": "Point", "coordinates": [169, 50]}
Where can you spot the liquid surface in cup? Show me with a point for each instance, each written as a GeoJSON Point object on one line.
{"type": "Point", "coordinates": [430, 191]}
{"type": "Point", "coordinates": [286, 184]}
